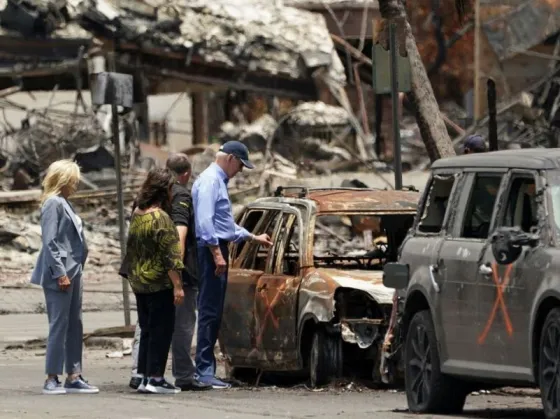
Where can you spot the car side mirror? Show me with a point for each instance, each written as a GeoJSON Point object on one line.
{"type": "Point", "coordinates": [396, 275]}
{"type": "Point", "coordinates": [507, 243]}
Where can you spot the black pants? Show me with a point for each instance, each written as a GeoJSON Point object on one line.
{"type": "Point", "coordinates": [156, 316]}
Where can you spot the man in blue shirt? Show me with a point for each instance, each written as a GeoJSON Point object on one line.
{"type": "Point", "coordinates": [215, 227]}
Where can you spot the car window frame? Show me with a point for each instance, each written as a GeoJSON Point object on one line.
{"type": "Point", "coordinates": [275, 216]}
{"type": "Point", "coordinates": [240, 221]}
{"type": "Point", "coordinates": [469, 178]}
{"type": "Point", "coordinates": [425, 198]}
{"type": "Point", "coordinates": [277, 263]}
{"type": "Point", "coordinates": [268, 207]}
{"type": "Point", "coordinates": [539, 189]}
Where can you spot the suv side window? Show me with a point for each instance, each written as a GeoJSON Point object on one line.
{"type": "Point", "coordinates": [435, 206]}
{"type": "Point", "coordinates": [521, 206]}
{"type": "Point", "coordinates": [478, 215]}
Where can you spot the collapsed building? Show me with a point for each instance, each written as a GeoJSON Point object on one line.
{"type": "Point", "coordinates": [251, 46]}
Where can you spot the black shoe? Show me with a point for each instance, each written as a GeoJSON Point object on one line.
{"type": "Point", "coordinates": [161, 387]}
{"type": "Point", "coordinates": [135, 382]}
{"type": "Point", "coordinates": [193, 385]}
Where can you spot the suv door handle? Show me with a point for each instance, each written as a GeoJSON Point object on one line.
{"type": "Point", "coordinates": [485, 270]}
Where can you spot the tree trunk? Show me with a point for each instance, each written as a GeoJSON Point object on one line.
{"type": "Point", "coordinates": [428, 117]}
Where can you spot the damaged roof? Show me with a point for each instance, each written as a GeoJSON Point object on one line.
{"type": "Point", "coordinates": [522, 28]}
{"type": "Point", "coordinates": [253, 35]}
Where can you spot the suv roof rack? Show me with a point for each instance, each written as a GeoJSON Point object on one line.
{"type": "Point", "coordinates": [304, 190]}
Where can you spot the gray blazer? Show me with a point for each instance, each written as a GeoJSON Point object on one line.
{"type": "Point", "coordinates": [64, 250]}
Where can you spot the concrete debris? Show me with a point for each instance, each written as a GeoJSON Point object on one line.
{"type": "Point", "coordinates": [257, 35]}
{"type": "Point", "coordinates": [317, 114]}
{"type": "Point", "coordinates": [312, 138]}
{"type": "Point", "coordinates": [20, 241]}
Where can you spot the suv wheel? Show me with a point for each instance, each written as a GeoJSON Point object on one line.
{"type": "Point", "coordinates": [549, 365]}
{"type": "Point", "coordinates": [427, 389]}
{"type": "Point", "coordinates": [325, 358]}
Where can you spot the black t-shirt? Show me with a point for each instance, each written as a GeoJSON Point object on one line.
{"type": "Point", "coordinates": [182, 214]}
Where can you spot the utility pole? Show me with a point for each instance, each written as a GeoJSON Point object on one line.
{"type": "Point", "coordinates": [393, 47]}
{"type": "Point", "coordinates": [116, 89]}
{"type": "Point", "coordinates": [476, 90]}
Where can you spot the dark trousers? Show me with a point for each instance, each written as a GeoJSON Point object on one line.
{"type": "Point", "coordinates": [156, 316]}
{"type": "Point", "coordinates": [211, 297]}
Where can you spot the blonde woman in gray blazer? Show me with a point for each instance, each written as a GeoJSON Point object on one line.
{"type": "Point", "coordinates": [59, 271]}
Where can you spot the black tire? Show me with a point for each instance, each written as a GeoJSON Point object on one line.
{"type": "Point", "coordinates": [325, 358]}
{"type": "Point", "coordinates": [427, 389]}
{"type": "Point", "coordinates": [549, 365]}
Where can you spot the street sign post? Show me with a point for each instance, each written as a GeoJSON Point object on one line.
{"type": "Point", "coordinates": [392, 74]}
{"type": "Point", "coordinates": [116, 89]}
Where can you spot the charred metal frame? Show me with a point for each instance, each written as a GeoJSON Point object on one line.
{"type": "Point", "coordinates": [326, 301]}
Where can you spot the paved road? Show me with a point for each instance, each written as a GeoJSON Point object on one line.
{"type": "Point", "coordinates": [21, 379]}
{"type": "Point", "coordinates": [22, 327]}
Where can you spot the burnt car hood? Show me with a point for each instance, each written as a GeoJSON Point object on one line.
{"type": "Point", "coordinates": [367, 281]}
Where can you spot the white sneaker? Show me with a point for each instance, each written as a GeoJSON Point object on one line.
{"type": "Point", "coordinates": [142, 387]}
{"type": "Point", "coordinates": [161, 387]}
{"type": "Point", "coordinates": [53, 386]}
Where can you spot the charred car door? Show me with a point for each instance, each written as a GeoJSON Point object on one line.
{"type": "Point", "coordinates": [276, 296]}
{"type": "Point", "coordinates": [237, 338]}
{"type": "Point", "coordinates": [458, 263]}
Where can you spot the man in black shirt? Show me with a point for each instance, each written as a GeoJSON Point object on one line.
{"type": "Point", "coordinates": [182, 214]}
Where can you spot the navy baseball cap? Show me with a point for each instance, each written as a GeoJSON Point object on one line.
{"type": "Point", "coordinates": [475, 142]}
{"type": "Point", "coordinates": [239, 150]}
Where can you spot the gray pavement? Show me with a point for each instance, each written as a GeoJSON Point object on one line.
{"type": "Point", "coordinates": [22, 327]}
{"type": "Point", "coordinates": [21, 380]}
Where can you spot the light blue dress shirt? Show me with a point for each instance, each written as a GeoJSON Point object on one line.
{"type": "Point", "coordinates": [212, 209]}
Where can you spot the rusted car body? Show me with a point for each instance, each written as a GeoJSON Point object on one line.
{"type": "Point", "coordinates": [479, 282]}
{"type": "Point", "coordinates": [314, 302]}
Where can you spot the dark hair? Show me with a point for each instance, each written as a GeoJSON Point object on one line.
{"type": "Point", "coordinates": [155, 189]}
{"type": "Point", "coordinates": [178, 163]}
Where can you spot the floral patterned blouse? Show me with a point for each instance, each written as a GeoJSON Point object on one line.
{"type": "Point", "coordinates": [153, 250]}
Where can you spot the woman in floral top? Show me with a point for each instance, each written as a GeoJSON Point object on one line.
{"type": "Point", "coordinates": [154, 264]}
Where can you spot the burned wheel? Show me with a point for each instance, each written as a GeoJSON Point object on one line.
{"type": "Point", "coordinates": [549, 365]}
{"type": "Point", "coordinates": [427, 389]}
{"type": "Point", "coordinates": [325, 358]}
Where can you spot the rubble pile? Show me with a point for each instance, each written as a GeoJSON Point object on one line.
{"type": "Point", "coordinates": [311, 138]}
{"type": "Point", "coordinates": [45, 138]}
{"type": "Point", "coordinates": [50, 134]}
{"type": "Point", "coordinates": [256, 34]}
{"type": "Point", "coordinates": [530, 119]}
{"type": "Point", "coordinates": [20, 242]}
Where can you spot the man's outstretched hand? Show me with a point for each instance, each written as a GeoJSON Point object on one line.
{"type": "Point", "coordinates": [263, 239]}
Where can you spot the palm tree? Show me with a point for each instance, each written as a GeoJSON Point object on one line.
{"type": "Point", "coordinates": [429, 120]}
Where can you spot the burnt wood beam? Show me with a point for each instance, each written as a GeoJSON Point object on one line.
{"type": "Point", "coordinates": [233, 78]}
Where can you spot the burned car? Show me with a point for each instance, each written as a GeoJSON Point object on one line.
{"type": "Point", "coordinates": [478, 280]}
{"type": "Point", "coordinates": [314, 302]}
